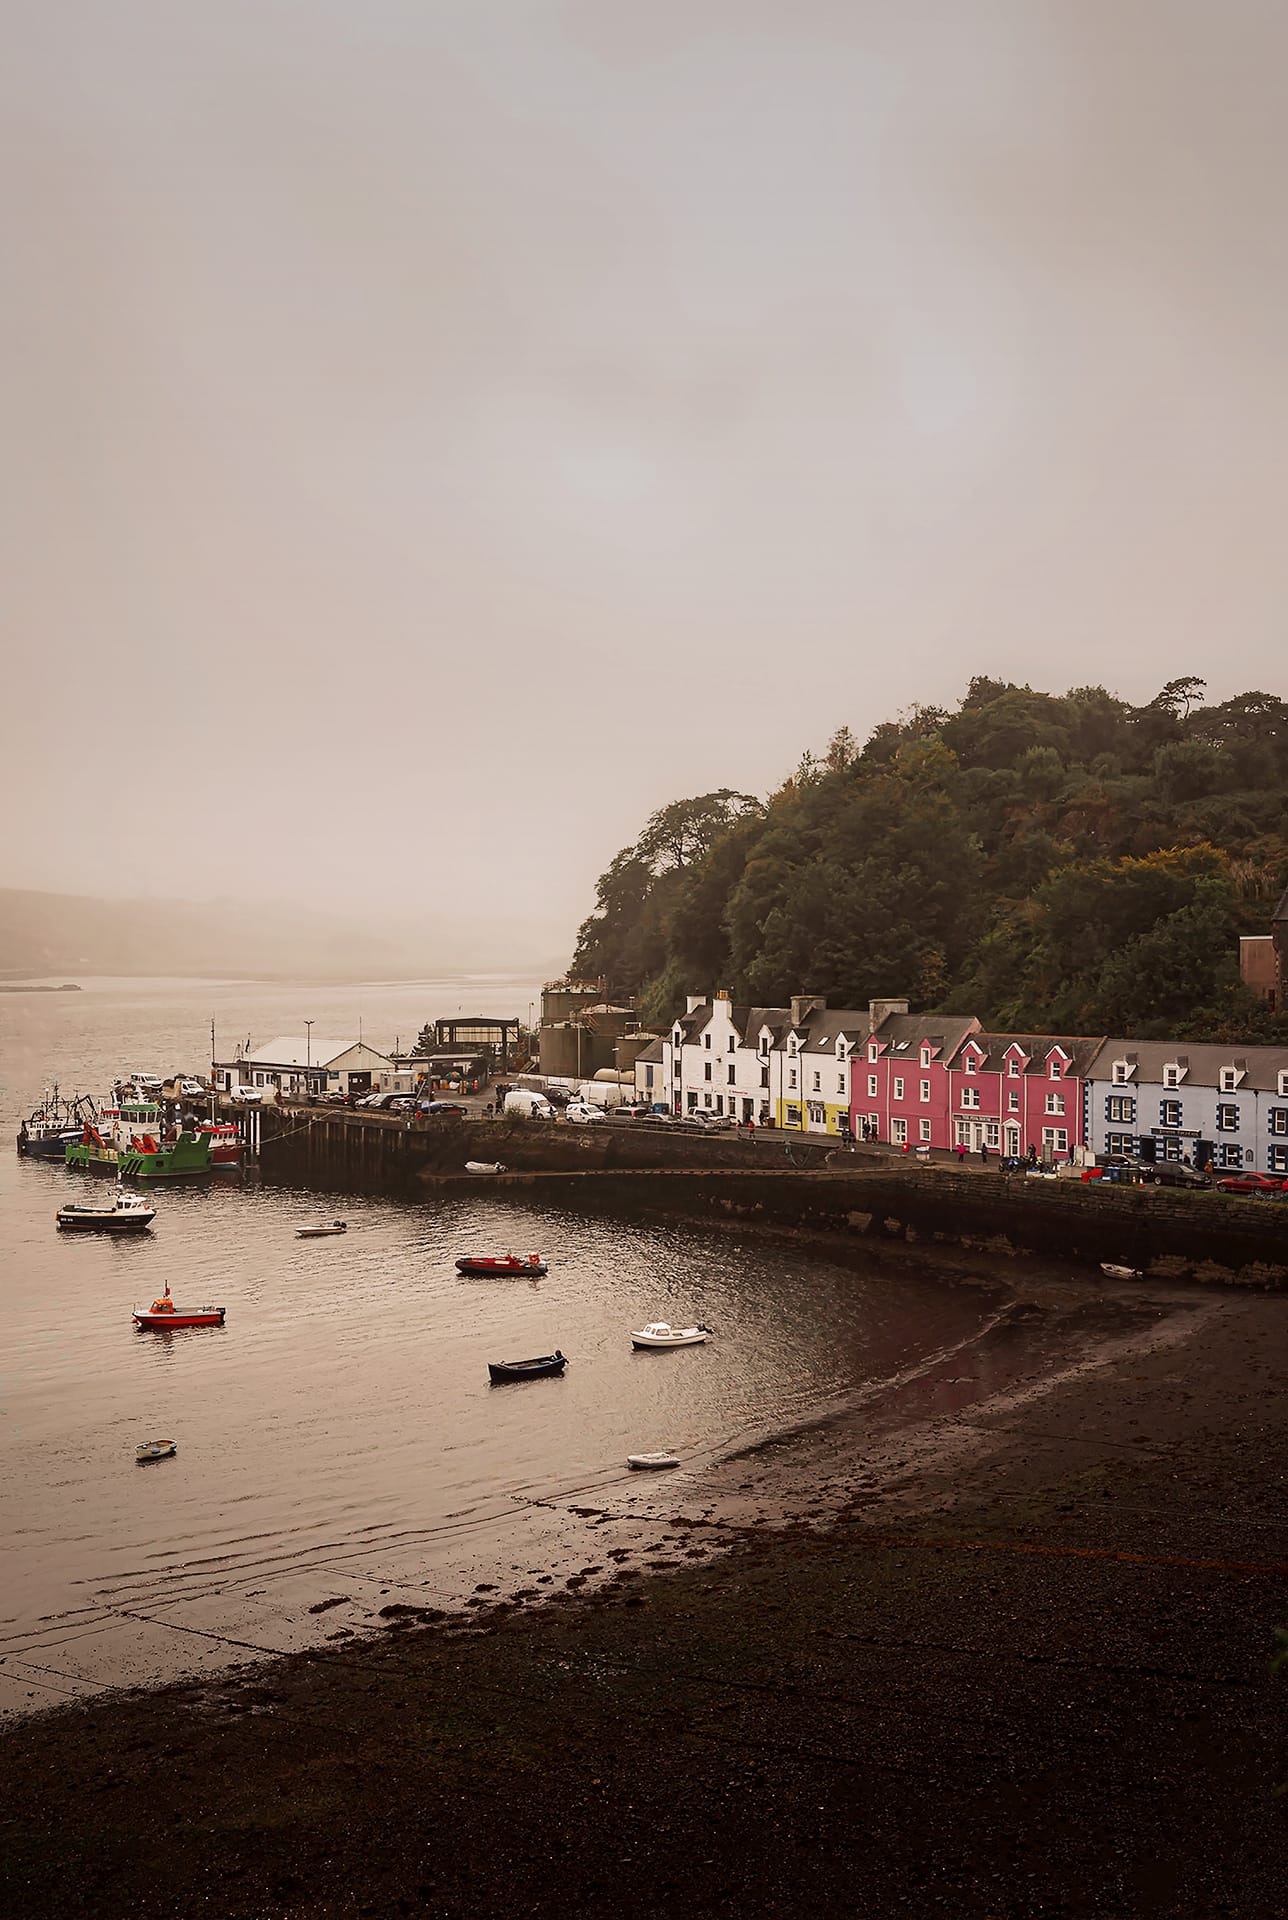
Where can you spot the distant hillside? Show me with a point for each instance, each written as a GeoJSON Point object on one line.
{"type": "Point", "coordinates": [69, 934]}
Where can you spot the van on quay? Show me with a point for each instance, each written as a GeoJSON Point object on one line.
{"type": "Point", "coordinates": [527, 1105]}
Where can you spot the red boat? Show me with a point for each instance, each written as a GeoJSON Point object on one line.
{"type": "Point", "coordinates": [164, 1313]}
{"type": "Point", "coordinates": [499, 1265]}
{"type": "Point", "coordinates": [225, 1143]}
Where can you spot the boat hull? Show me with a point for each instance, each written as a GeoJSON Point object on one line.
{"type": "Point", "coordinates": [544, 1368]}
{"type": "Point", "coordinates": [52, 1146]}
{"type": "Point", "coordinates": [166, 1322]}
{"type": "Point", "coordinates": [651, 1462]}
{"type": "Point", "coordinates": [485, 1268]}
{"type": "Point", "coordinates": [95, 1220]}
{"type": "Point", "coordinates": [187, 1159]}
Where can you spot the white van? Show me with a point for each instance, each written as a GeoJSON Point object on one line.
{"type": "Point", "coordinates": [528, 1105]}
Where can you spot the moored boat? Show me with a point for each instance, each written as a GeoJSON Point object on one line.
{"type": "Point", "coordinates": [1119, 1273]}
{"type": "Point", "coordinates": [660, 1334]}
{"type": "Point", "coordinates": [45, 1134]}
{"type": "Point", "coordinates": [154, 1450]}
{"type": "Point", "coordinates": [493, 1265]}
{"type": "Point", "coordinates": [164, 1313]}
{"type": "Point", "coordinates": [646, 1460]}
{"type": "Point", "coordinates": [128, 1213]}
{"type": "Point", "coordinates": [127, 1139]}
{"type": "Point", "coordinates": [544, 1365]}
{"type": "Point", "coordinates": [225, 1142]}
{"type": "Point", "coordinates": [322, 1232]}
{"type": "Point", "coordinates": [485, 1166]}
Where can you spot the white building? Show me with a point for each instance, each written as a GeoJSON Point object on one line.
{"type": "Point", "coordinates": [1194, 1101]}
{"type": "Point", "coordinates": [721, 1058]}
{"type": "Point", "coordinates": [299, 1067]}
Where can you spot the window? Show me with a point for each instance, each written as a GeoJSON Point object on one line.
{"type": "Point", "coordinates": [791, 1079]}
{"type": "Point", "coordinates": [1279, 1119]}
{"type": "Point", "coordinates": [1055, 1103]}
{"type": "Point", "coordinates": [925, 1092]}
{"type": "Point", "coordinates": [874, 1052]}
{"type": "Point", "coordinates": [1229, 1080]}
{"type": "Point", "coordinates": [818, 1083]}
{"type": "Point", "coordinates": [840, 1083]}
{"type": "Point", "coordinates": [732, 1074]}
{"type": "Point", "coordinates": [706, 1099]}
{"type": "Point", "coordinates": [793, 1116]}
{"type": "Point", "coordinates": [1012, 1102]}
{"type": "Point", "coordinates": [969, 1063]}
{"type": "Point", "coordinates": [1283, 1085]}
{"type": "Point", "coordinates": [898, 1089]}
{"type": "Point", "coordinates": [1013, 1068]}
{"type": "Point", "coordinates": [1227, 1118]}
{"type": "Point", "coordinates": [1229, 1155]}
{"type": "Point", "coordinates": [1120, 1106]}
{"type": "Point", "coordinates": [925, 1056]}
{"type": "Point", "coordinates": [1120, 1143]}
{"type": "Point", "coordinates": [1121, 1070]}
{"type": "Point", "coordinates": [676, 1069]}
{"type": "Point", "coordinates": [706, 1071]}
{"type": "Point", "coordinates": [764, 1076]}
{"type": "Point", "coordinates": [992, 1133]}
{"type": "Point", "coordinates": [925, 1130]}
{"type": "Point", "coordinates": [764, 1043]}
{"type": "Point", "coordinates": [648, 1078]}
{"type": "Point", "coordinates": [1171, 1076]}
{"type": "Point", "coordinates": [970, 1096]}
{"type": "Point", "coordinates": [1169, 1113]}
{"type": "Point", "coordinates": [899, 1132]}
{"type": "Point", "coordinates": [706, 1041]}
{"type": "Point", "coordinates": [872, 1086]}
{"type": "Point", "coordinates": [1277, 1160]}
{"type": "Point", "coordinates": [693, 1101]}
{"type": "Point", "coordinates": [961, 1130]}
{"type": "Point", "coordinates": [1055, 1140]}
{"type": "Point", "coordinates": [733, 1043]}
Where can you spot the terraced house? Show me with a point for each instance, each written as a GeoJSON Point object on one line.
{"type": "Point", "coordinates": [900, 1078]}
{"type": "Point", "coordinates": [723, 1059]}
{"type": "Point", "coordinates": [1208, 1104]}
{"type": "Point", "coordinates": [1013, 1093]}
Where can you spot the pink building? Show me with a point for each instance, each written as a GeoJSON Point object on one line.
{"type": "Point", "coordinates": [900, 1079]}
{"type": "Point", "coordinates": [1016, 1092]}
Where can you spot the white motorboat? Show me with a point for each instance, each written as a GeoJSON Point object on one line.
{"type": "Point", "coordinates": [658, 1333]}
{"type": "Point", "coordinates": [1119, 1273]}
{"type": "Point", "coordinates": [323, 1232]}
{"type": "Point", "coordinates": [128, 1213]}
{"type": "Point", "coordinates": [154, 1450]}
{"type": "Point", "coordinates": [644, 1461]}
{"type": "Point", "coordinates": [485, 1166]}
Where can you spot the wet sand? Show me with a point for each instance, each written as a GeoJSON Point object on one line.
{"type": "Point", "coordinates": [996, 1642]}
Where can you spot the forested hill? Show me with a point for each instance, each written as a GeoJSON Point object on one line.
{"type": "Point", "coordinates": [1066, 863]}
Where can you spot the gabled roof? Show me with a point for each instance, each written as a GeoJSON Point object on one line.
{"type": "Point", "coordinates": [1204, 1060]}
{"type": "Point", "coordinates": [901, 1034]}
{"type": "Point", "coordinates": [824, 1029]}
{"type": "Point", "coordinates": [290, 1052]}
{"type": "Point", "coordinates": [1079, 1049]}
{"type": "Point", "coordinates": [653, 1051]}
{"type": "Point", "coordinates": [747, 1021]}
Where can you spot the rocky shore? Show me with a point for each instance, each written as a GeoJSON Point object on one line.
{"type": "Point", "coordinates": [1001, 1653]}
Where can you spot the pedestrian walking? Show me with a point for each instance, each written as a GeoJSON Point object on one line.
{"type": "Point", "coordinates": [961, 1153]}
{"type": "Point", "coordinates": [751, 1128]}
{"type": "Point", "coordinates": [983, 1153]}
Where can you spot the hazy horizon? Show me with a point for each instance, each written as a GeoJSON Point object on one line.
{"type": "Point", "coordinates": [440, 435]}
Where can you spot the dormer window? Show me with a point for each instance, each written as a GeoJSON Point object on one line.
{"type": "Point", "coordinates": [1171, 1076]}
{"type": "Point", "coordinates": [1229, 1079]}
{"type": "Point", "coordinates": [1013, 1068]}
{"type": "Point", "coordinates": [764, 1045]}
{"type": "Point", "coordinates": [706, 1041]}
{"type": "Point", "coordinates": [1056, 1068]}
{"type": "Point", "coordinates": [677, 1038]}
{"type": "Point", "coordinates": [874, 1051]}
{"type": "Point", "coordinates": [733, 1043]}
{"type": "Point", "coordinates": [925, 1056]}
{"type": "Point", "coordinates": [970, 1063]}
{"type": "Point", "coordinates": [1122, 1072]}
{"type": "Point", "coordinates": [1283, 1086]}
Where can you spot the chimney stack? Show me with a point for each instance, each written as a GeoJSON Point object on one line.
{"type": "Point", "coordinates": [879, 1010]}
{"type": "Point", "coordinates": [803, 1004]}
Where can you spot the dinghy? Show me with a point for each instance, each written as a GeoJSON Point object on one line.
{"type": "Point", "coordinates": [538, 1369]}
{"type": "Point", "coordinates": [321, 1233]}
{"type": "Point", "coordinates": [485, 1166]}
{"type": "Point", "coordinates": [499, 1265]}
{"type": "Point", "coordinates": [1119, 1273]}
{"type": "Point", "coordinates": [154, 1450]}
{"type": "Point", "coordinates": [646, 1460]}
{"type": "Point", "coordinates": [658, 1333]}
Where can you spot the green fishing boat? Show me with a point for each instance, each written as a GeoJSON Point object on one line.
{"type": "Point", "coordinates": [128, 1141]}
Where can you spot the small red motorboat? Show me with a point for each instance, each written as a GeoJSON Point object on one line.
{"type": "Point", "coordinates": [225, 1143]}
{"type": "Point", "coordinates": [164, 1313]}
{"type": "Point", "coordinates": [499, 1265]}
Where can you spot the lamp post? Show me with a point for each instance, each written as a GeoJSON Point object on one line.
{"type": "Point", "coordinates": [308, 1055]}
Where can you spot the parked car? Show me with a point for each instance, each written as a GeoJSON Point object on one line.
{"type": "Point", "coordinates": [376, 1099]}
{"type": "Point", "coordinates": [582, 1114]}
{"type": "Point", "coordinates": [557, 1096]}
{"type": "Point", "coordinates": [246, 1096]}
{"type": "Point", "coordinates": [713, 1122]}
{"type": "Point", "coordinates": [631, 1110]}
{"type": "Point", "coordinates": [1267, 1183]}
{"type": "Point", "coordinates": [1162, 1173]}
{"type": "Point", "coordinates": [402, 1102]}
{"type": "Point", "coordinates": [442, 1107]}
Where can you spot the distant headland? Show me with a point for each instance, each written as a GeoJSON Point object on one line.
{"type": "Point", "coordinates": [23, 986]}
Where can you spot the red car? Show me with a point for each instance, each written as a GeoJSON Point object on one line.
{"type": "Point", "coordinates": [1252, 1183]}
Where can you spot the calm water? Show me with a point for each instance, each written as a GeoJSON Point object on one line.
{"type": "Point", "coordinates": [341, 1426]}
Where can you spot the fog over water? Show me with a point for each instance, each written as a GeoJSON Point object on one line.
{"type": "Point", "coordinates": [438, 435]}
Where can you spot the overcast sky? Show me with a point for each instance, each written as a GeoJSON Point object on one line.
{"type": "Point", "coordinates": [438, 432]}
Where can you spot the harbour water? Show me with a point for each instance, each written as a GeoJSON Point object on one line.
{"type": "Point", "coordinates": [339, 1435]}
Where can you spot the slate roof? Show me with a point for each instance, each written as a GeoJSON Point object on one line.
{"type": "Point", "coordinates": [1204, 1060]}
{"type": "Point", "coordinates": [901, 1034]}
{"type": "Point", "coordinates": [1081, 1050]}
{"type": "Point", "coordinates": [653, 1051]}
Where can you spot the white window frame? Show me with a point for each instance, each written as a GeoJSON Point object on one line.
{"type": "Point", "coordinates": [1012, 1068]}
{"type": "Point", "coordinates": [872, 1086]}
{"type": "Point", "coordinates": [1055, 1103]}
{"type": "Point", "coordinates": [926, 1128]}
{"type": "Point", "coordinates": [1056, 1070]}
{"type": "Point", "coordinates": [897, 1091]}
{"type": "Point", "coordinates": [925, 1056]}
{"type": "Point", "coordinates": [970, 1063]}
{"type": "Point", "coordinates": [874, 1051]}
{"type": "Point", "coordinates": [970, 1098]}
{"type": "Point", "coordinates": [899, 1132]}
{"type": "Point", "coordinates": [924, 1092]}
{"type": "Point", "coordinates": [1054, 1140]}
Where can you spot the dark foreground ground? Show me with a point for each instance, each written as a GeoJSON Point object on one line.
{"type": "Point", "coordinates": [1035, 1682]}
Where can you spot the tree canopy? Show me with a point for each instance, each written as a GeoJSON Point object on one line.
{"type": "Point", "coordinates": [1048, 861]}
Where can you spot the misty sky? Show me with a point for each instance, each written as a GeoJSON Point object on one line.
{"type": "Point", "coordinates": [436, 434]}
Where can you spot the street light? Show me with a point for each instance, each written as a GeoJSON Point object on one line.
{"type": "Point", "coordinates": [308, 1054]}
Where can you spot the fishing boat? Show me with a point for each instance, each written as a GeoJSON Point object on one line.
{"type": "Point", "coordinates": [643, 1461]}
{"type": "Point", "coordinates": [1119, 1273]}
{"type": "Point", "coordinates": [225, 1143]}
{"type": "Point", "coordinates": [485, 1166]}
{"type": "Point", "coordinates": [659, 1334]}
{"type": "Point", "coordinates": [127, 1139]}
{"type": "Point", "coordinates": [45, 1134]}
{"type": "Point", "coordinates": [154, 1450]}
{"type": "Point", "coordinates": [498, 1265]}
{"type": "Point", "coordinates": [538, 1369]}
{"type": "Point", "coordinates": [324, 1232]}
{"type": "Point", "coordinates": [128, 1213]}
{"type": "Point", "coordinates": [164, 1313]}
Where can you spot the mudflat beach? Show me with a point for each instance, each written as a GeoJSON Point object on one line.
{"type": "Point", "coordinates": [998, 1644]}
